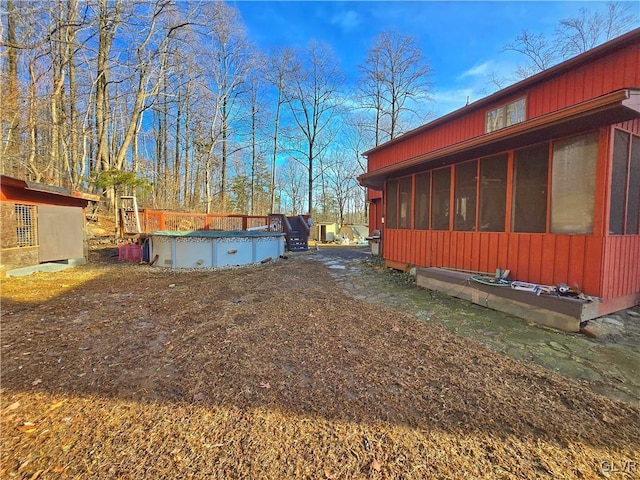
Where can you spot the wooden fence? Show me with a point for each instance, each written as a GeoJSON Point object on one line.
{"type": "Point", "coordinates": [160, 220]}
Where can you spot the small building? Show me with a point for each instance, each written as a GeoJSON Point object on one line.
{"type": "Point", "coordinates": [541, 178]}
{"type": "Point", "coordinates": [324, 232]}
{"type": "Point", "coordinates": [41, 223]}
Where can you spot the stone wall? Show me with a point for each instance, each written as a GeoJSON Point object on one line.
{"type": "Point", "coordinates": [8, 232]}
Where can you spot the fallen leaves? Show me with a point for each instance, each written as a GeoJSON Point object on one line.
{"type": "Point", "coordinates": [27, 427]}
{"type": "Point", "coordinates": [351, 390]}
{"type": "Point", "coordinates": [13, 406]}
{"type": "Point", "coordinates": [57, 405]}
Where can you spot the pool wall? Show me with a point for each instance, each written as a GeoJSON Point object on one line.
{"type": "Point", "coordinates": [209, 249]}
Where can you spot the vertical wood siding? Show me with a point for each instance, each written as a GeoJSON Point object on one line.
{"type": "Point", "coordinates": [621, 270]}
{"type": "Point", "coordinates": [538, 258]}
{"type": "Point", "coordinates": [617, 70]}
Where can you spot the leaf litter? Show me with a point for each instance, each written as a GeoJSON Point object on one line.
{"type": "Point", "coordinates": [295, 380]}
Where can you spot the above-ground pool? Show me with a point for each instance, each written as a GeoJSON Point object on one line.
{"type": "Point", "coordinates": [207, 249]}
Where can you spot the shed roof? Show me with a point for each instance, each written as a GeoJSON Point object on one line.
{"type": "Point", "coordinates": [28, 185]}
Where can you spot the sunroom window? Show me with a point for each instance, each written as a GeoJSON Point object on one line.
{"type": "Point", "coordinates": [573, 184]}
{"type": "Point", "coordinates": [625, 184]}
{"type": "Point", "coordinates": [530, 189]}
{"type": "Point", "coordinates": [441, 199]}
{"type": "Point", "coordinates": [423, 195]}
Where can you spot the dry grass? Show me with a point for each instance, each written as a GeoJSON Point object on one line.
{"type": "Point", "coordinates": [123, 371]}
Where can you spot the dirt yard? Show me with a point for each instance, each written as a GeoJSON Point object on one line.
{"type": "Point", "coordinates": [272, 372]}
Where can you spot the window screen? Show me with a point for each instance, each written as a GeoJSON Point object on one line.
{"type": "Point", "coordinates": [441, 186]}
{"type": "Point", "coordinates": [619, 181]}
{"type": "Point", "coordinates": [633, 202]}
{"type": "Point", "coordinates": [423, 195]}
{"type": "Point", "coordinates": [493, 193]}
{"type": "Point", "coordinates": [26, 226]}
{"type": "Point", "coordinates": [392, 204]}
{"type": "Point", "coordinates": [465, 196]}
{"type": "Point", "coordinates": [404, 214]}
{"type": "Point", "coordinates": [529, 213]}
{"type": "Point", "coordinates": [573, 184]}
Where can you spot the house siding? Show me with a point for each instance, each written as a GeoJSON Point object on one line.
{"type": "Point", "coordinates": [597, 264]}
{"type": "Point", "coordinates": [613, 71]}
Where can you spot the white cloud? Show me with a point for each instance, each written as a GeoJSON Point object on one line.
{"type": "Point", "coordinates": [476, 70]}
{"type": "Point", "coordinates": [448, 100]}
{"type": "Point", "coordinates": [347, 20]}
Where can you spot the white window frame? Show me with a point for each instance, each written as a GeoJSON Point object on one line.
{"type": "Point", "coordinates": [506, 115]}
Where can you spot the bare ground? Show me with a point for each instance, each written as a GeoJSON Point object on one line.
{"type": "Point", "coordinates": [127, 371]}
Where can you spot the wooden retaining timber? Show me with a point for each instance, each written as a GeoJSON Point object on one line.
{"type": "Point", "coordinates": [562, 313]}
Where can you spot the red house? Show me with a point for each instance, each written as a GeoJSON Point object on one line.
{"type": "Point", "coordinates": [541, 178]}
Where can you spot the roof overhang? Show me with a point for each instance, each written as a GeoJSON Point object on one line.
{"type": "Point", "coordinates": [45, 188]}
{"type": "Point", "coordinates": [615, 107]}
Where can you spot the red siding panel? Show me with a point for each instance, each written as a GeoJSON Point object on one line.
{"type": "Point", "coordinates": [576, 261]}
{"type": "Point", "coordinates": [535, 263]}
{"type": "Point", "coordinates": [618, 70]}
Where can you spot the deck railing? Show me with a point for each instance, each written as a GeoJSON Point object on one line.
{"type": "Point", "coordinates": [161, 220]}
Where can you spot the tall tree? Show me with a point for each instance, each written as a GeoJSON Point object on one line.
{"type": "Point", "coordinates": [314, 101]}
{"type": "Point", "coordinates": [231, 61]}
{"type": "Point", "coordinates": [573, 35]}
{"type": "Point", "coordinates": [10, 92]}
{"type": "Point", "coordinates": [282, 69]}
{"type": "Point", "coordinates": [394, 81]}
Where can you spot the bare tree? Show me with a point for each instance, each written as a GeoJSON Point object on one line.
{"type": "Point", "coordinates": [10, 91]}
{"type": "Point", "coordinates": [314, 101]}
{"type": "Point", "coordinates": [572, 37]}
{"type": "Point", "coordinates": [541, 52]}
{"type": "Point", "coordinates": [231, 61]}
{"type": "Point", "coordinates": [394, 81]}
{"type": "Point", "coordinates": [293, 186]}
{"type": "Point", "coordinates": [282, 69]}
{"type": "Point", "coordinates": [588, 29]}
{"type": "Point", "coordinates": [342, 183]}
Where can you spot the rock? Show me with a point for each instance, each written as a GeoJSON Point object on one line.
{"type": "Point", "coordinates": [613, 321]}
{"type": "Point", "coordinates": [633, 313]}
{"type": "Point", "coordinates": [608, 328]}
{"type": "Point", "coordinates": [557, 346]}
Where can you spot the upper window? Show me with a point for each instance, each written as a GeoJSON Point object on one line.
{"type": "Point", "coordinates": [505, 115]}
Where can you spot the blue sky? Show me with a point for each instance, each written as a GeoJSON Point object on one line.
{"type": "Point", "coordinates": [461, 40]}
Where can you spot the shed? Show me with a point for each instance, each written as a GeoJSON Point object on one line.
{"type": "Point", "coordinates": [541, 178]}
{"type": "Point", "coordinates": [41, 223]}
{"type": "Point", "coordinates": [324, 232]}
